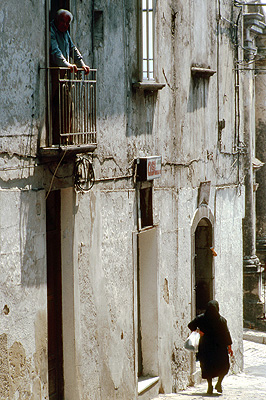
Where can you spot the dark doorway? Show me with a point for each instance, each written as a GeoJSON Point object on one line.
{"type": "Point", "coordinates": [146, 208]}
{"type": "Point", "coordinates": [52, 80]}
{"type": "Point", "coordinates": [54, 292]}
{"type": "Point", "coordinates": [203, 265]}
{"type": "Point", "coordinates": [57, 5]}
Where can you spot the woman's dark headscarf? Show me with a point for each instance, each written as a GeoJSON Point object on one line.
{"type": "Point", "coordinates": [212, 310]}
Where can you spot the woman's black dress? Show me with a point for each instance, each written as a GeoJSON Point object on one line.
{"type": "Point", "coordinates": [213, 353]}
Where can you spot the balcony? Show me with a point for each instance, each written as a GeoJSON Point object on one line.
{"type": "Point", "coordinates": [71, 112]}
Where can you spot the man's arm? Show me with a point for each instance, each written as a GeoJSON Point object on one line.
{"type": "Point", "coordinates": [77, 57]}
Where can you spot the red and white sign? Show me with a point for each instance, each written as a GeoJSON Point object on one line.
{"type": "Point", "coordinates": [154, 167]}
{"type": "Point", "coordinates": [149, 168]}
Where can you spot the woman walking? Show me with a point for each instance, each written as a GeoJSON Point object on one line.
{"type": "Point", "coordinates": [214, 346]}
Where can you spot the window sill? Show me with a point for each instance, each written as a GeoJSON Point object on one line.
{"type": "Point", "coordinates": [148, 86]}
{"type": "Point", "coordinates": [145, 383]}
{"type": "Point", "coordinates": [56, 151]}
{"type": "Point", "coordinates": [200, 72]}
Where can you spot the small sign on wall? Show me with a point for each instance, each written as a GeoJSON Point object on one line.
{"type": "Point", "coordinates": [149, 168]}
{"type": "Point", "coordinates": [204, 193]}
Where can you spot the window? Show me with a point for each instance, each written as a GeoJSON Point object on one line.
{"type": "Point", "coordinates": [147, 81]}
{"type": "Point", "coordinates": [147, 24]}
{"type": "Point", "coordinates": [146, 209]}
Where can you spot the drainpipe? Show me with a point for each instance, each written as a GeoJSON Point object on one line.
{"type": "Point", "coordinates": [249, 221]}
{"type": "Point", "coordinates": [261, 155]}
{"type": "Point", "coordinates": [49, 139]}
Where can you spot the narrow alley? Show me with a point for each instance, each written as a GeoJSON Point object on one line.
{"type": "Point", "coordinates": [251, 384]}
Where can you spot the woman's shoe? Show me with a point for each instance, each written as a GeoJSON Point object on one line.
{"type": "Point", "coordinates": [210, 389]}
{"type": "Point", "coordinates": [218, 387]}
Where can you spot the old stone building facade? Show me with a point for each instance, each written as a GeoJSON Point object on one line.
{"type": "Point", "coordinates": [118, 228]}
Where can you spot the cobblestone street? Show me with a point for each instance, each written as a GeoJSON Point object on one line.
{"type": "Point", "coordinates": [251, 384]}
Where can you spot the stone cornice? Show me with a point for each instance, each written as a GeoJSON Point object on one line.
{"type": "Point", "coordinates": [254, 26]}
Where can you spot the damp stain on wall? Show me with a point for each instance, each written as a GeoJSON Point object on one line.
{"type": "Point", "coordinates": [23, 377]}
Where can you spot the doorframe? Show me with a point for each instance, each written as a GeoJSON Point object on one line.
{"type": "Point", "coordinates": [70, 295]}
{"type": "Point", "coordinates": [154, 376]}
{"type": "Point", "coordinates": [135, 307]}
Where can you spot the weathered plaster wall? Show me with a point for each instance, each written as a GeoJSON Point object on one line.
{"type": "Point", "coordinates": [23, 295]}
{"type": "Point", "coordinates": [105, 222]}
{"type": "Point", "coordinates": [229, 208]}
{"type": "Point", "coordinates": [174, 291]}
{"type": "Point", "coordinates": [22, 42]}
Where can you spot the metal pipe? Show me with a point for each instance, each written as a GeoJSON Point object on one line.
{"type": "Point", "coordinates": [94, 108]}
{"type": "Point", "coordinates": [218, 72]}
{"type": "Point", "coordinates": [91, 114]}
{"type": "Point", "coordinates": [75, 121]}
{"type": "Point", "coordinates": [48, 83]}
{"type": "Point", "coordinates": [67, 69]}
{"type": "Point", "coordinates": [114, 178]}
{"type": "Point", "coordinates": [73, 109]}
{"type": "Point", "coordinates": [78, 108]}
{"type": "Point", "coordinates": [251, 69]}
{"type": "Point", "coordinates": [237, 95]}
{"type": "Point", "coordinates": [84, 109]}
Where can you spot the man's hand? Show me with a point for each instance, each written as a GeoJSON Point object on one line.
{"type": "Point", "coordinates": [86, 69]}
{"type": "Point", "coordinates": [73, 68]}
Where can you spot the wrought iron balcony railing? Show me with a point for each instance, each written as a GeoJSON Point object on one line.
{"type": "Point", "coordinates": [72, 109]}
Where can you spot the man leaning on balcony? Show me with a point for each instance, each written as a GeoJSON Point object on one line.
{"type": "Point", "coordinates": [63, 50]}
{"type": "Point", "coordinates": [62, 46]}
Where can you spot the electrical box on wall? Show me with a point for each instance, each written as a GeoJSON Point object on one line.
{"type": "Point", "coordinates": [149, 168]}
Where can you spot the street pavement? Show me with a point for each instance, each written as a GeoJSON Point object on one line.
{"type": "Point", "coordinates": [248, 385]}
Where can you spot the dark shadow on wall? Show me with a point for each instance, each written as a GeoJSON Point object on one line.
{"type": "Point", "coordinates": [141, 120]}
{"type": "Point", "coordinates": [198, 94]}
{"type": "Point", "coordinates": [32, 238]}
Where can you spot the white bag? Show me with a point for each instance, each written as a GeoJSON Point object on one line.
{"type": "Point", "coordinates": [192, 342]}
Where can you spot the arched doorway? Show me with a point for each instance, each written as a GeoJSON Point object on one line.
{"type": "Point", "coordinates": [202, 269]}
{"type": "Point", "coordinates": [203, 265]}
{"type": "Point", "coordinates": [202, 240]}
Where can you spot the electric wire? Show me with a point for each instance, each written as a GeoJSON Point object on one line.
{"type": "Point", "coordinates": [58, 165]}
